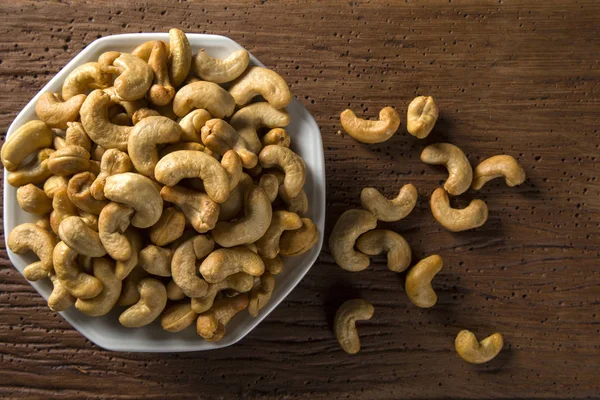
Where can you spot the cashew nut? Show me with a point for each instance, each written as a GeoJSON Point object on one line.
{"type": "Point", "coordinates": [298, 204]}
{"type": "Point", "coordinates": [111, 290]}
{"type": "Point", "coordinates": [192, 125]}
{"type": "Point", "coordinates": [497, 167]}
{"type": "Point", "coordinates": [28, 139]}
{"type": "Point", "coordinates": [278, 136]}
{"type": "Point", "coordinates": [153, 300]}
{"type": "Point", "coordinates": [80, 237]}
{"type": "Point", "coordinates": [36, 171]}
{"type": "Point", "coordinates": [33, 200]}
{"type": "Point", "coordinates": [418, 281]}
{"type": "Point", "coordinates": [144, 50]}
{"type": "Point", "coordinates": [183, 265]}
{"type": "Point", "coordinates": [174, 292]}
{"type": "Point", "coordinates": [421, 116]}
{"type": "Point", "coordinates": [270, 185]}
{"type": "Point", "coordinates": [156, 260]}
{"type": "Point", "coordinates": [80, 284]}
{"type": "Point", "coordinates": [366, 131]}
{"type": "Point", "coordinates": [232, 163]}
{"type": "Point", "coordinates": [60, 299]}
{"type": "Point", "coordinates": [206, 95]}
{"type": "Point", "coordinates": [113, 162]}
{"type": "Point", "coordinates": [381, 241]}
{"type": "Point", "coordinates": [94, 117]}
{"type": "Point", "coordinates": [135, 75]}
{"type": "Point", "coordinates": [222, 263]}
{"type": "Point", "coordinates": [54, 184]}
{"type": "Point", "coordinates": [69, 160]}
{"type": "Point", "coordinates": [177, 317]}
{"type": "Point", "coordinates": [168, 228]}
{"type": "Point", "coordinates": [80, 195]}
{"type": "Point", "coordinates": [211, 324]}
{"type": "Point", "coordinates": [260, 295]}
{"type": "Point", "coordinates": [345, 323]}
{"type": "Point", "coordinates": [55, 112]}
{"type": "Point", "coordinates": [273, 265]}
{"type": "Point", "coordinates": [31, 237]}
{"type": "Point", "coordinates": [348, 228]}
{"type": "Point", "coordinates": [474, 352]}
{"type": "Point", "coordinates": [161, 92]}
{"type": "Point", "coordinates": [460, 173]}
{"type": "Point", "coordinates": [288, 161]}
{"type": "Point", "coordinates": [44, 222]}
{"type": "Point", "coordinates": [129, 293]}
{"type": "Point", "coordinates": [389, 210]}
{"type": "Point", "coordinates": [299, 241]}
{"type": "Point", "coordinates": [112, 223]}
{"type": "Point", "coordinates": [457, 220]}
{"type": "Point", "coordinates": [220, 71]}
{"type": "Point", "coordinates": [199, 209]}
{"type": "Point", "coordinates": [83, 78]}
{"type": "Point", "coordinates": [75, 135]}
{"type": "Point", "coordinates": [258, 81]}
{"type": "Point", "coordinates": [144, 137]}
{"type": "Point", "coordinates": [181, 56]}
{"type": "Point", "coordinates": [281, 221]}
{"type": "Point", "coordinates": [62, 208]}
{"type": "Point", "coordinates": [220, 137]}
{"type": "Point", "coordinates": [249, 119]}
{"type": "Point", "coordinates": [240, 282]}
{"type": "Point", "coordinates": [124, 268]}
{"type": "Point", "coordinates": [138, 192]}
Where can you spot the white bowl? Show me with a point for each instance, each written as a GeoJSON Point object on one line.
{"type": "Point", "coordinates": [106, 331]}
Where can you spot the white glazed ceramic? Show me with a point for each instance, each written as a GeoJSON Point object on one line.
{"type": "Point", "coordinates": [106, 331]}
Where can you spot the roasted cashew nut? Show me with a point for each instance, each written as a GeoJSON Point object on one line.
{"type": "Point", "coordinates": [240, 282]}
{"type": "Point", "coordinates": [80, 284]}
{"type": "Point", "coordinates": [346, 231]}
{"type": "Point", "coordinates": [94, 117]}
{"type": "Point", "coordinates": [457, 220]}
{"type": "Point", "coordinates": [174, 292]}
{"type": "Point", "coordinates": [177, 317]}
{"type": "Point", "coordinates": [278, 136]}
{"type": "Point", "coordinates": [222, 263]}
{"type": "Point", "coordinates": [389, 210]}
{"type": "Point", "coordinates": [298, 204]}
{"type": "Point", "coordinates": [112, 224]}
{"type": "Point", "coordinates": [421, 116]}
{"type": "Point", "coordinates": [145, 136]}
{"type": "Point", "coordinates": [502, 166]}
{"type": "Point", "coordinates": [345, 323]}
{"type": "Point", "coordinates": [144, 50]}
{"type": "Point", "coordinates": [75, 135]}
{"type": "Point", "coordinates": [29, 138]}
{"type": "Point", "coordinates": [366, 131]}
{"type": "Point", "coordinates": [281, 221]}
{"type": "Point", "coordinates": [153, 300]}
{"type": "Point", "coordinates": [192, 125]}
{"type": "Point", "coordinates": [55, 112]}
{"type": "Point", "coordinates": [211, 324]}
{"type": "Point", "coordinates": [259, 81]}
{"type": "Point", "coordinates": [199, 209]}
{"type": "Point", "coordinates": [69, 160]}
{"type": "Point", "coordinates": [135, 75]}
{"type": "Point", "coordinates": [83, 78]}
{"type": "Point", "coordinates": [183, 265]}
{"type": "Point", "coordinates": [138, 192]}
{"type": "Point", "coordinates": [206, 95]}
{"type": "Point", "coordinates": [80, 195]}
{"type": "Point", "coordinates": [288, 161]}
{"type": "Point", "coordinates": [129, 293]}
{"type": "Point", "coordinates": [460, 173]}
{"type": "Point", "coordinates": [474, 352]}
{"type": "Point", "coordinates": [299, 241]}
{"type": "Point", "coordinates": [273, 265]}
{"type": "Point", "coordinates": [111, 290]}
{"type": "Point", "coordinates": [36, 171]}
{"type": "Point", "coordinates": [249, 119]}
{"type": "Point", "coordinates": [161, 92]}
{"type": "Point", "coordinates": [80, 237]}
{"type": "Point", "coordinates": [381, 241]}
{"type": "Point", "coordinates": [113, 162]}
{"type": "Point", "coordinates": [62, 208]}
{"type": "Point", "coordinates": [60, 299]}
{"type": "Point", "coordinates": [168, 228]}
{"type": "Point", "coordinates": [156, 260]}
{"type": "Point", "coordinates": [33, 200]}
{"type": "Point", "coordinates": [31, 237]}
{"type": "Point", "coordinates": [180, 57]}
{"type": "Point", "coordinates": [220, 71]}
{"type": "Point", "coordinates": [55, 184]}
{"type": "Point", "coordinates": [418, 281]}
{"type": "Point", "coordinates": [260, 295]}
{"type": "Point", "coordinates": [220, 137]}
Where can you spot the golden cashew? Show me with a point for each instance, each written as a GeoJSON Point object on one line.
{"type": "Point", "coordinates": [220, 71]}
{"type": "Point", "coordinates": [453, 219]}
{"type": "Point", "coordinates": [199, 209]}
{"type": "Point", "coordinates": [62, 208]}
{"type": "Point", "coordinates": [144, 50]}
{"type": "Point", "coordinates": [281, 221]}
{"type": "Point", "coordinates": [90, 220]}
{"type": "Point", "coordinates": [55, 112]}
{"type": "Point", "coordinates": [260, 296]}
{"type": "Point", "coordinates": [288, 161]}
{"type": "Point", "coordinates": [205, 95]}
{"type": "Point", "coordinates": [222, 263]}
{"type": "Point", "coordinates": [258, 81]}
{"type": "Point", "coordinates": [345, 323]}
{"type": "Point", "coordinates": [194, 164]}
{"type": "Point", "coordinates": [54, 184]}
{"type": "Point", "coordinates": [80, 237]}
{"type": "Point", "coordinates": [211, 324]}
{"type": "Point", "coordinates": [240, 282]}
{"type": "Point", "coordinates": [418, 281]}
{"type": "Point", "coordinates": [94, 117]}
{"type": "Point", "coordinates": [60, 299]}
{"type": "Point", "coordinates": [220, 137]}
{"type": "Point", "coordinates": [251, 227]}
{"type": "Point", "coordinates": [135, 239]}
{"type": "Point", "coordinates": [249, 119]}
{"type": "Point", "coordinates": [161, 92]}
{"type": "Point", "coordinates": [138, 192]}
{"type": "Point", "coordinates": [129, 293]}
{"type": "Point", "coordinates": [273, 265]}
{"type": "Point", "coordinates": [111, 290]}
{"type": "Point", "coordinates": [497, 167]}
{"type": "Point", "coordinates": [36, 171]}
{"type": "Point", "coordinates": [389, 210]}
{"type": "Point", "coordinates": [299, 241]}
{"type": "Point", "coordinates": [113, 162]}
{"type": "Point", "coordinates": [75, 135]}
{"type": "Point", "coordinates": [474, 352]}
{"type": "Point", "coordinates": [69, 160]}
{"type": "Point", "coordinates": [381, 241]}
{"type": "Point", "coordinates": [80, 284]}
{"type": "Point", "coordinates": [183, 265]}
{"type": "Point", "coordinates": [421, 116]}
{"type": "Point", "coordinates": [31, 237]}
{"type": "Point", "coordinates": [80, 195]}
{"type": "Point", "coordinates": [177, 317]}
{"type": "Point", "coordinates": [174, 292]}
{"type": "Point", "coordinates": [83, 78]}
{"type": "Point", "coordinates": [460, 173]}
{"type": "Point", "coordinates": [298, 204]}
{"type": "Point", "coordinates": [192, 125]}
{"type": "Point", "coordinates": [348, 228]}
{"type": "Point", "coordinates": [135, 75]}
{"type": "Point", "coordinates": [366, 131]}
{"type": "Point", "coordinates": [153, 300]}
{"type": "Point", "coordinates": [168, 228]}
{"type": "Point", "coordinates": [180, 56]}
{"type": "Point", "coordinates": [270, 185]}
{"type": "Point", "coordinates": [112, 224]}
{"type": "Point", "coordinates": [27, 139]}
{"type": "Point", "coordinates": [145, 136]}
{"type": "Point", "coordinates": [278, 136]}
{"type": "Point", "coordinates": [156, 260]}
{"type": "Point", "coordinates": [33, 200]}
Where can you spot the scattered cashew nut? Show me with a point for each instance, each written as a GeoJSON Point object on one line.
{"type": "Point", "coordinates": [389, 210]}
{"type": "Point", "coordinates": [497, 167]}
{"type": "Point", "coordinates": [460, 173]}
{"type": "Point", "coordinates": [380, 241]}
{"type": "Point", "coordinates": [346, 231]}
{"type": "Point", "coordinates": [457, 220]}
{"type": "Point", "coordinates": [345, 323]}
{"type": "Point", "coordinates": [366, 131]}
{"type": "Point", "coordinates": [418, 281]}
{"type": "Point", "coordinates": [474, 352]}
{"type": "Point", "coordinates": [421, 116]}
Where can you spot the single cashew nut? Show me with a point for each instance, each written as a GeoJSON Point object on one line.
{"type": "Point", "coordinates": [240, 282]}
{"type": "Point", "coordinates": [474, 352]}
{"type": "Point", "coordinates": [453, 219]}
{"type": "Point", "coordinates": [497, 167]}
{"type": "Point", "coordinates": [345, 323]}
{"type": "Point", "coordinates": [144, 137]}
{"type": "Point", "coordinates": [348, 228]}
{"type": "Point", "coordinates": [460, 173]}
{"type": "Point", "coordinates": [75, 135]}
{"type": "Point", "coordinates": [183, 265]}
{"type": "Point", "coordinates": [418, 281]}
{"type": "Point", "coordinates": [220, 71]}
{"type": "Point", "coordinates": [381, 241]}
{"type": "Point", "coordinates": [199, 209]}
{"type": "Point", "coordinates": [60, 299]}
{"type": "Point", "coordinates": [138, 192]}
{"type": "Point", "coordinates": [298, 204]}
{"type": "Point", "coordinates": [135, 75]}
{"type": "Point", "coordinates": [206, 95]}
{"type": "Point", "coordinates": [260, 296]}
{"type": "Point", "coordinates": [129, 293]}
{"type": "Point", "coordinates": [192, 125]}
{"type": "Point", "coordinates": [80, 284]}
{"type": "Point", "coordinates": [83, 78]}
{"type": "Point", "coordinates": [270, 185]}
{"type": "Point", "coordinates": [220, 137]}
{"type": "Point", "coordinates": [31, 237]}
{"type": "Point", "coordinates": [299, 241]}
{"type": "Point", "coordinates": [421, 116]}
{"type": "Point", "coordinates": [111, 290]}
{"type": "Point", "coordinates": [80, 195]}
{"type": "Point", "coordinates": [177, 317]}
{"type": "Point", "coordinates": [258, 81]}
{"type": "Point", "coordinates": [33, 200]}
{"type": "Point", "coordinates": [174, 292]}
{"type": "Point", "coordinates": [144, 50]}
{"type": "Point", "coordinates": [94, 117]}
{"type": "Point", "coordinates": [62, 208]}
{"type": "Point", "coordinates": [135, 239]}
{"type": "Point", "coordinates": [366, 131]}
{"type": "Point", "coordinates": [112, 224]}
{"type": "Point", "coordinates": [113, 162]}
{"type": "Point", "coordinates": [273, 265]}
{"type": "Point", "coordinates": [211, 324]}
{"type": "Point", "coordinates": [389, 210]}
{"type": "Point", "coordinates": [278, 136]}
{"type": "Point", "coordinates": [156, 260]}
{"type": "Point", "coordinates": [80, 237]}
{"type": "Point", "coordinates": [281, 221]}
{"type": "Point", "coordinates": [288, 161]}
{"type": "Point", "coordinates": [249, 119]}
{"type": "Point", "coordinates": [181, 56]}
{"type": "Point", "coordinates": [36, 171]}
{"type": "Point", "coordinates": [69, 160]}
{"type": "Point", "coordinates": [222, 263]}
{"type": "Point", "coordinates": [153, 300]}
{"type": "Point", "coordinates": [161, 92]}
{"type": "Point", "coordinates": [55, 112]}
{"type": "Point", "coordinates": [28, 139]}
{"type": "Point", "coordinates": [169, 227]}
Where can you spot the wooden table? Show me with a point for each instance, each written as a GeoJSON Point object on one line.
{"type": "Point", "coordinates": [513, 77]}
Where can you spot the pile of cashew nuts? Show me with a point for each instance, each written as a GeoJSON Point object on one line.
{"type": "Point", "coordinates": [159, 190]}
{"type": "Point", "coordinates": [355, 238]}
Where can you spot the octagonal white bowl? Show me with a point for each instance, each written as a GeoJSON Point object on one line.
{"type": "Point", "coordinates": [106, 331]}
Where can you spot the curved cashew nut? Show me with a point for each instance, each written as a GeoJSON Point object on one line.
{"type": "Point", "coordinates": [348, 228]}
{"type": "Point", "coordinates": [421, 116]}
{"type": "Point", "coordinates": [206, 95]}
{"type": "Point", "coordinates": [474, 352]}
{"type": "Point", "coordinates": [34, 200]}
{"type": "Point", "coordinates": [251, 227]}
{"type": "Point", "coordinates": [181, 56]}
{"type": "Point", "coordinates": [273, 265]}
{"type": "Point", "coordinates": [366, 131]}
{"type": "Point", "coordinates": [143, 139]}
{"type": "Point", "coordinates": [60, 299]}
{"type": "Point", "coordinates": [174, 292]}
{"type": "Point", "coordinates": [222, 263]}
{"type": "Point", "coordinates": [168, 228]}
{"type": "Point", "coordinates": [418, 281]}
{"type": "Point", "coordinates": [299, 241]}
{"type": "Point", "coordinates": [281, 221]}
{"type": "Point", "coordinates": [111, 290]}
{"type": "Point", "coordinates": [94, 117]}
{"type": "Point", "coordinates": [453, 219]}
{"type": "Point", "coordinates": [260, 295]}
{"type": "Point", "coordinates": [345, 323]}
{"type": "Point", "coordinates": [112, 224]}
{"type": "Point", "coordinates": [161, 92]}
{"type": "Point", "coordinates": [288, 161]}
{"type": "Point", "coordinates": [62, 208]}
{"type": "Point", "coordinates": [389, 210]}
{"type": "Point", "coordinates": [138, 192]}
{"type": "Point", "coordinates": [257, 81]}
{"type": "Point", "coordinates": [460, 173]}
{"type": "Point", "coordinates": [55, 112]}
{"type": "Point", "coordinates": [232, 163]}
{"type": "Point", "coordinates": [153, 300]}
{"type": "Point", "coordinates": [36, 171]}
{"type": "Point", "coordinates": [75, 135]}
{"type": "Point", "coordinates": [198, 208]}
{"type": "Point", "coordinates": [55, 184]}
{"type": "Point", "coordinates": [298, 204]}
{"type": "Point", "coordinates": [28, 139]}
{"type": "Point", "coordinates": [80, 284]}
{"type": "Point", "coordinates": [278, 136]}
{"type": "Point", "coordinates": [177, 317]}
{"type": "Point", "coordinates": [113, 162]}
{"type": "Point", "coordinates": [497, 167]}
{"type": "Point", "coordinates": [270, 185]}
{"type": "Point", "coordinates": [194, 164]}
{"type": "Point", "coordinates": [156, 260]}
{"type": "Point", "coordinates": [249, 119]}
{"type": "Point", "coordinates": [69, 160]}
{"type": "Point", "coordinates": [135, 75]}
{"type": "Point", "coordinates": [80, 195]}
{"type": "Point", "coordinates": [220, 71]}
{"type": "Point", "coordinates": [220, 137]}
{"type": "Point", "coordinates": [80, 237]}
{"type": "Point", "coordinates": [380, 241]}
{"type": "Point", "coordinates": [240, 282]}
{"type": "Point", "coordinates": [192, 125]}
{"type": "Point", "coordinates": [31, 237]}
{"type": "Point", "coordinates": [144, 50]}
{"type": "Point", "coordinates": [183, 265]}
{"type": "Point", "coordinates": [129, 293]}
{"type": "Point", "coordinates": [211, 324]}
{"type": "Point", "coordinates": [83, 78]}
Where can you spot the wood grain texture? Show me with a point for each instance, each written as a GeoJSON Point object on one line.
{"type": "Point", "coordinates": [513, 77]}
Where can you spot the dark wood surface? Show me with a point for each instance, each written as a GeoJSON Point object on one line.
{"type": "Point", "coordinates": [513, 77]}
